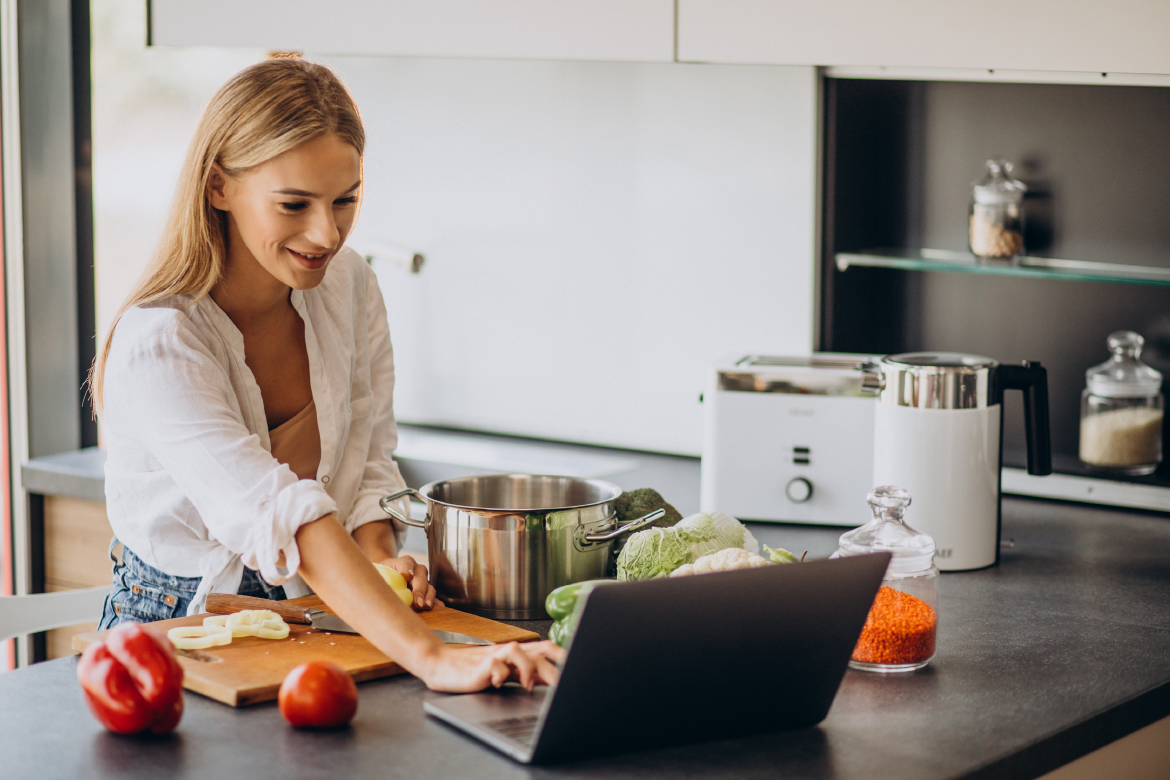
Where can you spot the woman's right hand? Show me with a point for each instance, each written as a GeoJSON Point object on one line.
{"type": "Point", "coordinates": [467, 669]}
{"type": "Point", "coordinates": [338, 570]}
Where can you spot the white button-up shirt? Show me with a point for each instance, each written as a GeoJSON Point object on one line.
{"type": "Point", "coordinates": [191, 484]}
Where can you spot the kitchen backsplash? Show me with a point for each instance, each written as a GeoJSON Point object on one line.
{"type": "Point", "coordinates": [596, 235]}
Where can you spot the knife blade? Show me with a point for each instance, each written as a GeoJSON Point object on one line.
{"type": "Point", "coordinates": [323, 621]}
{"type": "Point", "coordinates": [227, 603]}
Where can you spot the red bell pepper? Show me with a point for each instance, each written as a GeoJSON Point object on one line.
{"type": "Point", "coordinates": [133, 681]}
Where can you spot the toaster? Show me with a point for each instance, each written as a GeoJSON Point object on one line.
{"type": "Point", "coordinates": [789, 439]}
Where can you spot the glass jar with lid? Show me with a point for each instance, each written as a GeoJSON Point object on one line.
{"type": "Point", "coordinates": [899, 633]}
{"type": "Point", "coordinates": [996, 217]}
{"type": "Point", "coordinates": [1121, 411]}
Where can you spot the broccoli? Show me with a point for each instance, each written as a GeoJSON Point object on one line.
{"type": "Point", "coordinates": [636, 503]}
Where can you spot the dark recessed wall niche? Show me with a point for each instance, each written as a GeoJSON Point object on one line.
{"type": "Point", "coordinates": [900, 158]}
{"type": "Point", "coordinates": [873, 182]}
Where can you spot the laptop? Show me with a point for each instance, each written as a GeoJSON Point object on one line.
{"type": "Point", "coordinates": [685, 660]}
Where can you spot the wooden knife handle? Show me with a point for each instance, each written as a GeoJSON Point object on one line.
{"type": "Point", "coordinates": [227, 603]}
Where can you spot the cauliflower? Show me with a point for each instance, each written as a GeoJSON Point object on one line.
{"type": "Point", "coordinates": [725, 560]}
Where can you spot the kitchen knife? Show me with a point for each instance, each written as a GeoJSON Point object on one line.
{"type": "Point", "coordinates": [227, 603]}
{"type": "Point", "coordinates": [326, 622]}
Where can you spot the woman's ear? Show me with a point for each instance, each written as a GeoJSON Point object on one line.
{"type": "Point", "coordinates": [217, 185]}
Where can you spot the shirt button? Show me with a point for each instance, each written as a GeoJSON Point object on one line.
{"type": "Point", "coordinates": [325, 479]}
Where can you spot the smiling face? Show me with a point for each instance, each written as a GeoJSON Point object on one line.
{"type": "Point", "coordinates": [293, 213]}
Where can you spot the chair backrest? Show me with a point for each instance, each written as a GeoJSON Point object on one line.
{"type": "Point", "coordinates": [21, 615]}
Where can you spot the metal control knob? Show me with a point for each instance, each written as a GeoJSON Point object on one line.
{"type": "Point", "coordinates": [798, 490]}
{"type": "Point", "coordinates": [872, 379]}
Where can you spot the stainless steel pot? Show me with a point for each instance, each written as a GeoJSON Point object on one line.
{"type": "Point", "coordinates": [499, 543]}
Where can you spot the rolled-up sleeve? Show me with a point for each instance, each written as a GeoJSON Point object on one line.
{"type": "Point", "coordinates": [380, 475]}
{"type": "Point", "coordinates": [166, 390]}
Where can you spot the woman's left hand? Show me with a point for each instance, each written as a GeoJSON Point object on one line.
{"type": "Point", "coordinates": [416, 576]}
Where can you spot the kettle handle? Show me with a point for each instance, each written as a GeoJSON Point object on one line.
{"type": "Point", "coordinates": [1032, 379]}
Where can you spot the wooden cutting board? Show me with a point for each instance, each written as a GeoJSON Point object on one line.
{"type": "Point", "coordinates": [250, 669]}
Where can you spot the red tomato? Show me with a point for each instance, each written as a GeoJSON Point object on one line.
{"type": "Point", "coordinates": [318, 695]}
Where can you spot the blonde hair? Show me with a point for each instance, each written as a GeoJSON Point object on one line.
{"type": "Point", "coordinates": [263, 111]}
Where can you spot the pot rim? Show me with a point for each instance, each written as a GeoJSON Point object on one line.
{"type": "Point", "coordinates": [424, 491]}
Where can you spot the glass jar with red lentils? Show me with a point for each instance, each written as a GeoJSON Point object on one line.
{"type": "Point", "coordinates": [899, 633]}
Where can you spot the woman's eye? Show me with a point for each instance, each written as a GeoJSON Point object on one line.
{"type": "Point", "coordinates": [301, 206]}
{"type": "Point", "coordinates": [352, 199]}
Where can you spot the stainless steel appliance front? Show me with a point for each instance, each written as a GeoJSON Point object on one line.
{"type": "Point", "coordinates": [935, 380]}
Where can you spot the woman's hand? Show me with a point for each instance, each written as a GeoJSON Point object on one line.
{"type": "Point", "coordinates": [467, 669]}
{"type": "Point", "coordinates": [335, 567]}
{"type": "Point", "coordinates": [416, 576]}
{"type": "Point", "coordinates": [377, 542]}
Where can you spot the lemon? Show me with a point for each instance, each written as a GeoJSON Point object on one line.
{"type": "Point", "coordinates": [397, 582]}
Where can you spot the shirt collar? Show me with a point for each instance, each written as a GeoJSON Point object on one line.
{"type": "Point", "coordinates": [222, 323]}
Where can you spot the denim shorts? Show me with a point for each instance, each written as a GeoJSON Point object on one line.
{"type": "Point", "coordinates": [143, 594]}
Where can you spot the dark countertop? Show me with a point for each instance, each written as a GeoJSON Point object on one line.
{"type": "Point", "coordinates": [1058, 651]}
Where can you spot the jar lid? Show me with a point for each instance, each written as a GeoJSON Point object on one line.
{"type": "Point", "coordinates": [911, 551]}
{"type": "Point", "coordinates": [1124, 375]}
{"type": "Point", "coordinates": [997, 185]}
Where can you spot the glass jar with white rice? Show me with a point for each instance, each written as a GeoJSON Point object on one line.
{"type": "Point", "coordinates": [1121, 411]}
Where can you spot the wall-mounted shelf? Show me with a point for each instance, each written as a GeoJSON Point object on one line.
{"type": "Point", "coordinates": [1031, 267]}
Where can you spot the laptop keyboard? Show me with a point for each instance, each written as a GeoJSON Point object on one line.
{"type": "Point", "coordinates": [519, 729]}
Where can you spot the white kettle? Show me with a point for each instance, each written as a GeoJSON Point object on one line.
{"type": "Point", "coordinates": [938, 432]}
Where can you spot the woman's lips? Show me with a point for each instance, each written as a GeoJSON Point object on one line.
{"type": "Point", "coordinates": [313, 262]}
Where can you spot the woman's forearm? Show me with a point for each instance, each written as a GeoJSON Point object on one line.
{"type": "Point", "coordinates": [339, 571]}
{"type": "Point", "coordinates": [377, 540]}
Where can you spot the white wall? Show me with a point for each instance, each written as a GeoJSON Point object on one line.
{"type": "Point", "coordinates": [596, 235]}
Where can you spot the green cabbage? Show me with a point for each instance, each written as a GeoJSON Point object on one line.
{"type": "Point", "coordinates": [729, 532]}
{"type": "Point", "coordinates": [657, 552]}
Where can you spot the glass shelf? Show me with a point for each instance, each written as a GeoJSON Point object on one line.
{"type": "Point", "coordinates": [1030, 267]}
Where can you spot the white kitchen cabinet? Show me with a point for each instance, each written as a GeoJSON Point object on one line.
{"type": "Point", "coordinates": [617, 30]}
{"type": "Point", "coordinates": [1126, 36]}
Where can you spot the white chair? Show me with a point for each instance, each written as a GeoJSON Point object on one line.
{"type": "Point", "coordinates": [21, 615]}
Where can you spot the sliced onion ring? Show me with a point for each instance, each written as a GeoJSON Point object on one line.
{"type": "Point", "coordinates": [263, 623]}
{"type": "Point", "coordinates": [199, 637]}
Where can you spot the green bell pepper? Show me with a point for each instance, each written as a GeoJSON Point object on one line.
{"type": "Point", "coordinates": [558, 634]}
{"type": "Point", "coordinates": [559, 604]}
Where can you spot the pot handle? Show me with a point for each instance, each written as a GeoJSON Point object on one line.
{"type": "Point", "coordinates": [386, 502]}
{"type": "Point", "coordinates": [633, 525]}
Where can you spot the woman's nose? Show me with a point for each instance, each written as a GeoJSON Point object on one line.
{"type": "Point", "coordinates": [323, 229]}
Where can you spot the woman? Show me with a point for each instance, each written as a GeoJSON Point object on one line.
{"type": "Point", "coordinates": [246, 386]}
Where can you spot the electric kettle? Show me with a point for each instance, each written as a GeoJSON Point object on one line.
{"type": "Point", "coordinates": [938, 432]}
